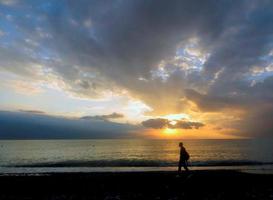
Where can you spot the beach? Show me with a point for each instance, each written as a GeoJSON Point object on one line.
{"type": "Point", "coordinates": [134, 169]}
{"type": "Point", "coordinates": [197, 184]}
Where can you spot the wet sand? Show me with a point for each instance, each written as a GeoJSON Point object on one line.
{"type": "Point", "coordinates": [137, 185]}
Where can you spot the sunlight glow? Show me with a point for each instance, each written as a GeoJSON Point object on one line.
{"type": "Point", "coordinates": [170, 131]}
{"type": "Point", "coordinates": [174, 117]}
{"type": "Point", "coordinates": [173, 122]}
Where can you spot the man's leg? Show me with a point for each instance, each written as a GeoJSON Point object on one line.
{"type": "Point", "coordinates": [185, 165]}
{"type": "Point", "coordinates": [179, 166]}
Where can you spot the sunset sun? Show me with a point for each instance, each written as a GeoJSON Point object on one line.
{"type": "Point", "coordinates": [169, 131]}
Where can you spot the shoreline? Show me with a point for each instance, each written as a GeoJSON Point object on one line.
{"type": "Point", "coordinates": [258, 169]}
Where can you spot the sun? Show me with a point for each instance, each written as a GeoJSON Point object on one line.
{"type": "Point", "coordinates": [170, 131]}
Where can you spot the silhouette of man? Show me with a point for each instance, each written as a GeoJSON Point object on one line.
{"type": "Point", "coordinates": [184, 157]}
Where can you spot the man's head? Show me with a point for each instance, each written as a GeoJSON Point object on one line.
{"type": "Point", "coordinates": [181, 144]}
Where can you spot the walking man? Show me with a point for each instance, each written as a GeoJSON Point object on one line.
{"type": "Point", "coordinates": [184, 157]}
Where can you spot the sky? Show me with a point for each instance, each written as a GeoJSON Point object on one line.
{"type": "Point", "coordinates": [123, 68]}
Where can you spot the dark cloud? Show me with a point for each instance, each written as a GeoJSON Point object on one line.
{"type": "Point", "coordinates": [181, 124]}
{"type": "Point", "coordinates": [155, 123]}
{"type": "Point", "coordinates": [258, 122]}
{"type": "Point", "coordinates": [254, 103]}
{"type": "Point", "coordinates": [19, 125]}
{"type": "Point", "coordinates": [38, 112]}
{"type": "Point", "coordinates": [212, 102]}
{"type": "Point", "coordinates": [160, 123]}
{"type": "Point", "coordinates": [114, 115]}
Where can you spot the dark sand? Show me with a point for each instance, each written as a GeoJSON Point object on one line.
{"type": "Point", "coordinates": [138, 185]}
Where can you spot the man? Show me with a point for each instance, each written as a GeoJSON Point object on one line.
{"type": "Point", "coordinates": [184, 157]}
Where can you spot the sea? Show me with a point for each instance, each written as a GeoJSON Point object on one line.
{"type": "Point", "coordinates": [123, 155]}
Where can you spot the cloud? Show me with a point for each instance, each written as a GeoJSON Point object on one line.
{"type": "Point", "coordinates": [155, 123]}
{"type": "Point", "coordinates": [167, 54]}
{"type": "Point", "coordinates": [160, 123]}
{"type": "Point", "coordinates": [33, 125]}
{"type": "Point", "coordinates": [181, 124]}
{"type": "Point", "coordinates": [37, 112]}
{"type": "Point", "coordinates": [25, 87]}
{"type": "Point", "coordinates": [114, 115]}
{"type": "Point", "coordinates": [8, 2]}
{"type": "Point", "coordinates": [2, 33]}
{"type": "Point", "coordinates": [213, 102]}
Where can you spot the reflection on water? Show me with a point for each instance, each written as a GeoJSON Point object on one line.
{"type": "Point", "coordinates": [116, 153]}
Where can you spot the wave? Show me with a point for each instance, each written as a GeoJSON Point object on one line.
{"type": "Point", "coordinates": [139, 163]}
